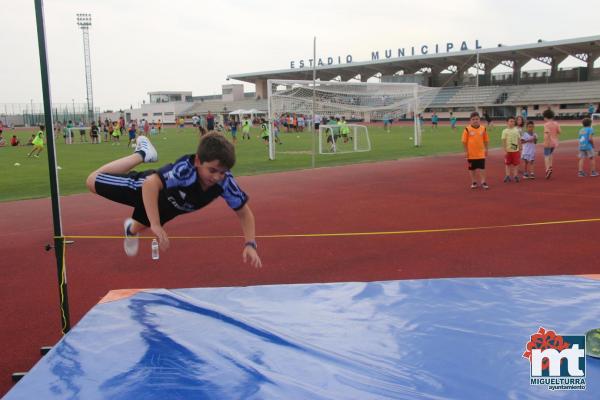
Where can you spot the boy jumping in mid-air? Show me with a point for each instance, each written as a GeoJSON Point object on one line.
{"type": "Point", "coordinates": [188, 184]}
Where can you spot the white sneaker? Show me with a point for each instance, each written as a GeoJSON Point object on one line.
{"type": "Point", "coordinates": [143, 143]}
{"type": "Point", "coordinates": [131, 242]}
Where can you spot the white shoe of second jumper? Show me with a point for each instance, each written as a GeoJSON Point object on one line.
{"type": "Point", "coordinates": [131, 242]}
{"type": "Point", "coordinates": [143, 144]}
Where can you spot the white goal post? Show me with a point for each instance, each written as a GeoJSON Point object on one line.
{"type": "Point", "coordinates": [359, 103]}
{"type": "Point", "coordinates": [358, 139]}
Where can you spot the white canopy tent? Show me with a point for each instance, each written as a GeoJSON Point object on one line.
{"type": "Point", "coordinates": [252, 113]}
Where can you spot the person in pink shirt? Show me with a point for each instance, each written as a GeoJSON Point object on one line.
{"type": "Point", "coordinates": [551, 133]}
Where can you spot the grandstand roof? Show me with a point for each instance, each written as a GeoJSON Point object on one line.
{"type": "Point", "coordinates": [581, 48]}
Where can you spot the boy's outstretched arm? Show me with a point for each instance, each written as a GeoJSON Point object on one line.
{"type": "Point", "coordinates": [152, 185]}
{"type": "Point", "coordinates": [247, 221]}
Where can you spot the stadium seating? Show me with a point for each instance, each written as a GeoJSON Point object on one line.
{"type": "Point", "coordinates": [517, 95]}
{"type": "Point", "coordinates": [455, 97]}
{"type": "Point", "coordinates": [556, 93]}
{"type": "Point", "coordinates": [443, 96]}
{"type": "Point", "coordinates": [469, 95]}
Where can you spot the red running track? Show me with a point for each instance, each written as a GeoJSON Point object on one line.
{"type": "Point", "coordinates": [409, 194]}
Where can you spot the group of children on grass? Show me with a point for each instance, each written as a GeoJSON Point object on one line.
{"type": "Point", "coordinates": [112, 130]}
{"type": "Point", "coordinates": [519, 142]}
{"type": "Point", "coordinates": [232, 126]}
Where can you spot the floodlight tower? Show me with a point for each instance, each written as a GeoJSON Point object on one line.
{"type": "Point", "coordinates": [85, 21]}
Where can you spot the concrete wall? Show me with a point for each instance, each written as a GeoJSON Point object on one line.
{"type": "Point", "coordinates": [233, 92]}
{"type": "Point", "coordinates": [261, 89]}
{"type": "Point", "coordinates": [166, 112]}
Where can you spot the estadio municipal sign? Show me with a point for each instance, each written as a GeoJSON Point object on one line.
{"type": "Point", "coordinates": [388, 54]}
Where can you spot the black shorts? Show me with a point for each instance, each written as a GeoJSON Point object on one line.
{"type": "Point", "coordinates": [127, 189]}
{"type": "Point", "coordinates": [474, 164]}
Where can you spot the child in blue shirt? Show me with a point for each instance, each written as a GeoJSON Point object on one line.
{"type": "Point", "coordinates": [434, 120]}
{"type": "Point", "coordinates": [187, 185]}
{"type": "Point", "coordinates": [452, 121]}
{"type": "Point", "coordinates": [586, 147]}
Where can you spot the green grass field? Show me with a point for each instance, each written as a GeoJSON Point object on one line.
{"type": "Point", "coordinates": [30, 179]}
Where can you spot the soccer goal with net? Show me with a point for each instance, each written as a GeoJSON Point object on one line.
{"type": "Point", "coordinates": [343, 138]}
{"type": "Point", "coordinates": [344, 111]}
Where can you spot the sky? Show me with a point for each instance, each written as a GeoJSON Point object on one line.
{"type": "Point", "coordinates": [165, 45]}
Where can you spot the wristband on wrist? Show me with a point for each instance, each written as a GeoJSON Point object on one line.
{"type": "Point", "coordinates": [252, 244]}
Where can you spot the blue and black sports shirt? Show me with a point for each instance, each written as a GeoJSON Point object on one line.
{"type": "Point", "coordinates": [181, 187]}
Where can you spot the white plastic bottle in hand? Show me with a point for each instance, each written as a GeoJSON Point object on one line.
{"type": "Point", "coordinates": [155, 254]}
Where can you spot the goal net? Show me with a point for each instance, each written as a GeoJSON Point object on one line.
{"type": "Point", "coordinates": [333, 104]}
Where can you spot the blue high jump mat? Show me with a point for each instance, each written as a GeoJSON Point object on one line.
{"type": "Point", "coordinates": [413, 339]}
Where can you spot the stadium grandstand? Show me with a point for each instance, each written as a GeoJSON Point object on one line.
{"type": "Point", "coordinates": [468, 79]}
{"type": "Point", "coordinates": [498, 80]}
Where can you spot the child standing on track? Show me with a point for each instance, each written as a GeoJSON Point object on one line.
{"type": "Point", "coordinates": [586, 147]}
{"type": "Point", "coordinates": [475, 141]}
{"type": "Point", "coordinates": [551, 133]}
{"type": "Point", "coordinates": [188, 184]}
{"type": "Point", "coordinates": [528, 141]}
{"type": "Point", "coordinates": [511, 142]}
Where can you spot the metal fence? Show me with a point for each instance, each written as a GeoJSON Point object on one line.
{"type": "Point", "coordinates": [30, 114]}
